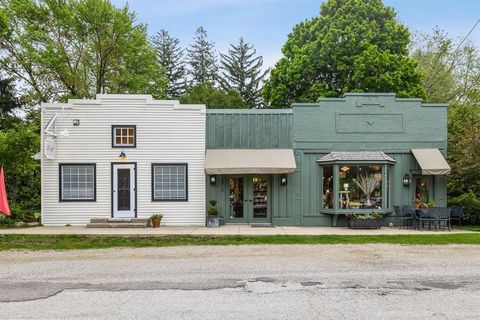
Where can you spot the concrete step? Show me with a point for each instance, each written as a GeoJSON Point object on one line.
{"type": "Point", "coordinates": [118, 220]}
{"type": "Point", "coordinates": [117, 225]}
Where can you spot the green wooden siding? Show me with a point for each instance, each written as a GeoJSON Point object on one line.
{"type": "Point", "coordinates": [249, 128]}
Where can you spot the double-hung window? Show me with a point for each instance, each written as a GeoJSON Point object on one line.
{"type": "Point", "coordinates": [169, 182]}
{"type": "Point", "coordinates": [77, 182]}
{"type": "Point", "coordinates": [124, 136]}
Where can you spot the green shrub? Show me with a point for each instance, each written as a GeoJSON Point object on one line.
{"type": "Point", "coordinates": [471, 207]}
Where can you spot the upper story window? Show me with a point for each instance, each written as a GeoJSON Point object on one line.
{"type": "Point", "coordinates": [124, 136]}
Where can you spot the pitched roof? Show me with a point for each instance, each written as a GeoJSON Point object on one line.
{"type": "Point", "coordinates": [335, 156]}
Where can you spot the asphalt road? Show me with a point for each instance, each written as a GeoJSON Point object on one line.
{"type": "Point", "coordinates": [243, 282]}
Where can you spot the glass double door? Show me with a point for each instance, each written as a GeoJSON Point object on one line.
{"type": "Point", "coordinates": [248, 199]}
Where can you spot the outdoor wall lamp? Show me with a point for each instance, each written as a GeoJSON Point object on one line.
{"type": "Point", "coordinates": [283, 180]}
{"type": "Point", "coordinates": [407, 180]}
{"type": "Point", "coordinates": [76, 122]}
{"type": "Point", "coordinates": [213, 179]}
{"type": "Point", "coordinates": [122, 156]}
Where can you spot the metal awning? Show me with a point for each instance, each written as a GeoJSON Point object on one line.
{"type": "Point", "coordinates": [355, 156]}
{"type": "Point", "coordinates": [249, 161]}
{"type": "Point", "coordinates": [431, 161]}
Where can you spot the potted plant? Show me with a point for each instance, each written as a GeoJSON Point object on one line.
{"type": "Point", "coordinates": [365, 221]}
{"type": "Point", "coordinates": [155, 220]}
{"type": "Point", "coordinates": [213, 220]}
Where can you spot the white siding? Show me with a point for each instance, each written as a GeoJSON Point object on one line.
{"type": "Point", "coordinates": [166, 133]}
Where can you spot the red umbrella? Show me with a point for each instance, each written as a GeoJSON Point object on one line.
{"type": "Point", "coordinates": [4, 207]}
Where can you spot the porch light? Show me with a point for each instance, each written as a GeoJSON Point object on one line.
{"type": "Point", "coordinates": [407, 180]}
{"type": "Point", "coordinates": [345, 168]}
{"type": "Point", "coordinates": [283, 180]}
{"type": "Point", "coordinates": [122, 156]}
{"type": "Point", "coordinates": [213, 179]}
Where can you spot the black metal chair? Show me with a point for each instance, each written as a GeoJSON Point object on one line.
{"type": "Point", "coordinates": [409, 211]}
{"type": "Point", "coordinates": [426, 215]}
{"type": "Point", "coordinates": [442, 215]}
{"type": "Point", "coordinates": [457, 215]}
{"type": "Point", "coordinates": [405, 217]}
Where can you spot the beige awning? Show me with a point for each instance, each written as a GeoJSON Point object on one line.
{"type": "Point", "coordinates": [431, 161]}
{"type": "Point", "coordinates": [249, 161]}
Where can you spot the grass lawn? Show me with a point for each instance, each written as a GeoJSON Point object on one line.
{"type": "Point", "coordinates": [68, 242]}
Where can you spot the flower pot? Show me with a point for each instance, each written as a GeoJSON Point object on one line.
{"type": "Point", "coordinates": [156, 222]}
{"type": "Point", "coordinates": [364, 224]}
{"type": "Point", "coordinates": [213, 221]}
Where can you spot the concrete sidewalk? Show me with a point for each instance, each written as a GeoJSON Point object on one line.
{"type": "Point", "coordinates": [244, 230]}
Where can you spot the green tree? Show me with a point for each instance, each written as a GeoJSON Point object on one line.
{"type": "Point", "coordinates": [22, 173]}
{"type": "Point", "coordinates": [213, 98]}
{"type": "Point", "coordinates": [242, 71]}
{"type": "Point", "coordinates": [451, 69]}
{"type": "Point", "coordinates": [62, 49]}
{"type": "Point", "coordinates": [202, 59]}
{"type": "Point", "coordinates": [170, 57]}
{"type": "Point", "coordinates": [8, 102]}
{"type": "Point", "coordinates": [352, 46]}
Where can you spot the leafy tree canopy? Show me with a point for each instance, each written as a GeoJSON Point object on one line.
{"type": "Point", "coordinates": [352, 46]}
{"type": "Point", "coordinates": [213, 98]}
{"type": "Point", "coordinates": [62, 49]}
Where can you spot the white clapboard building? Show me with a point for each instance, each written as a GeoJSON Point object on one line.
{"type": "Point", "coordinates": [123, 156]}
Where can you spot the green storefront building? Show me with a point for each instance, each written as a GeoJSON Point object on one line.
{"type": "Point", "coordinates": [309, 165]}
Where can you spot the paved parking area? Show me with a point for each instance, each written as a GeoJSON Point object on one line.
{"type": "Point", "coordinates": [223, 230]}
{"type": "Point", "coordinates": [374, 281]}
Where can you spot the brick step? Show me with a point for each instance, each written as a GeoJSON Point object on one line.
{"type": "Point", "coordinates": [117, 225]}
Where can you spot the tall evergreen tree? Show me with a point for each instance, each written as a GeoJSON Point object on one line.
{"type": "Point", "coordinates": [202, 59]}
{"type": "Point", "coordinates": [170, 57]}
{"type": "Point", "coordinates": [242, 71]}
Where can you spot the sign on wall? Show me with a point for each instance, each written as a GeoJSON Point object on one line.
{"type": "Point", "coordinates": [49, 148]}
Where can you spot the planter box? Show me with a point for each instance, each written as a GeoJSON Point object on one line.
{"type": "Point", "coordinates": [213, 221]}
{"type": "Point", "coordinates": [364, 224]}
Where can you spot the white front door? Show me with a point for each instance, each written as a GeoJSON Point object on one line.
{"type": "Point", "coordinates": [124, 193]}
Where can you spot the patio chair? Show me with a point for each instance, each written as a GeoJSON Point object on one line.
{"type": "Point", "coordinates": [426, 215]}
{"type": "Point", "coordinates": [442, 215]}
{"type": "Point", "coordinates": [409, 211]}
{"type": "Point", "coordinates": [457, 215]}
{"type": "Point", "coordinates": [405, 217]}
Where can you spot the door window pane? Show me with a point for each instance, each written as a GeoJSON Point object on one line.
{"type": "Point", "coordinates": [236, 197]}
{"type": "Point", "coordinates": [421, 190]}
{"type": "Point", "coordinates": [123, 190]}
{"type": "Point", "coordinates": [77, 182]}
{"type": "Point", "coordinates": [260, 197]}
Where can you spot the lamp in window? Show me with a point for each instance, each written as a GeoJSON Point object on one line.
{"type": "Point", "coordinates": [283, 180]}
{"type": "Point", "coordinates": [213, 179]}
{"type": "Point", "coordinates": [407, 180]}
{"type": "Point", "coordinates": [122, 156]}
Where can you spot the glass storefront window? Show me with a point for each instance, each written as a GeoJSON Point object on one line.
{"type": "Point", "coordinates": [360, 187]}
{"type": "Point", "coordinates": [327, 197]}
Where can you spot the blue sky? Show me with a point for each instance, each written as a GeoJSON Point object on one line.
{"type": "Point", "coordinates": [266, 23]}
